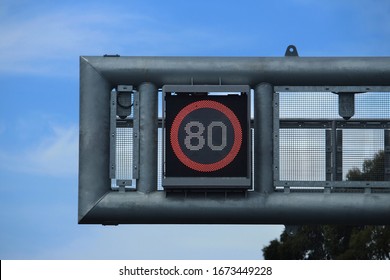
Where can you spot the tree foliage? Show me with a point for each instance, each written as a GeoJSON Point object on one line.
{"type": "Point", "coordinates": [373, 169]}
{"type": "Point", "coordinates": [321, 242]}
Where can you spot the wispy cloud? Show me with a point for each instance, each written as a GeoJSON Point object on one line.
{"type": "Point", "coordinates": [50, 42]}
{"type": "Point", "coordinates": [37, 44]}
{"type": "Point", "coordinates": [55, 154]}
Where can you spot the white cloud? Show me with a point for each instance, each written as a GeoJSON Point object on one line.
{"type": "Point", "coordinates": [50, 42]}
{"type": "Point", "coordinates": [54, 155]}
{"type": "Point", "coordinates": [35, 43]}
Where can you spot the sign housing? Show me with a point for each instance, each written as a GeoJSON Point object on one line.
{"type": "Point", "coordinates": [206, 138]}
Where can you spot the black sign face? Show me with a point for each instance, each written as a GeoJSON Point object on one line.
{"type": "Point", "coordinates": [206, 136]}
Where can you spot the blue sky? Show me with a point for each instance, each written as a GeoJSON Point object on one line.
{"type": "Point", "coordinates": [40, 45]}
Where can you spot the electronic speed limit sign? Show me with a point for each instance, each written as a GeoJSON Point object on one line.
{"type": "Point", "coordinates": [206, 137]}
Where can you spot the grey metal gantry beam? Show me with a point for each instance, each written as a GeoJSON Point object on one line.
{"type": "Point", "coordinates": [252, 71]}
{"type": "Point", "coordinates": [98, 204]}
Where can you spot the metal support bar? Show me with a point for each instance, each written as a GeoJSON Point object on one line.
{"type": "Point", "coordinates": [327, 123]}
{"type": "Point", "coordinates": [339, 155]}
{"type": "Point", "coordinates": [136, 139]}
{"type": "Point", "coordinates": [304, 123]}
{"type": "Point", "coordinates": [276, 137]}
{"type": "Point", "coordinates": [337, 152]}
{"type": "Point", "coordinates": [387, 154]}
{"type": "Point", "coordinates": [328, 154]}
{"type": "Point", "coordinates": [334, 151]}
{"type": "Point", "coordinates": [94, 155]}
{"type": "Point", "coordinates": [278, 71]}
{"type": "Point", "coordinates": [263, 146]}
{"type": "Point", "coordinates": [112, 166]}
{"type": "Point", "coordinates": [148, 99]}
{"type": "Point", "coordinates": [319, 185]}
{"type": "Point", "coordinates": [255, 208]}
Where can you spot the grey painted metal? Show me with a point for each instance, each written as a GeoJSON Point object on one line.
{"type": "Point", "coordinates": [276, 143]}
{"type": "Point", "coordinates": [263, 146]}
{"type": "Point", "coordinates": [255, 208]}
{"type": "Point", "coordinates": [387, 154]}
{"type": "Point", "coordinates": [136, 139]}
{"type": "Point", "coordinates": [305, 123]}
{"type": "Point", "coordinates": [339, 124]}
{"type": "Point", "coordinates": [123, 186]}
{"type": "Point", "coordinates": [94, 143]}
{"type": "Point", "coordinates": [333, 89]}
{"type": "Point", "coordinates": [291, 51]}
{"type": "Point", "coordinates": [335, 184]}
{"type": "Point", "coordinates": [339, 155]}
{"type": "Point", "coordinates": [99, 204]}
{"type": "Point", "coordinates": [206, 183]}
{"type": "Point", "coordinates": [278, 71]}
{"type": "Point", "coordinates": [347, 105]}
{"type": "Point", "coordinates": [112, 168]}
{"type": "Point", "coordinates": [207, 88]}
{"type": "Point", "coordinates": [328, 154]}
{"type": "Point", "coordinates": [334, 151]}
{"type": "Point", "coordinates": [148, 106]}
{"type": "Point", "coordinates": [124, 105]}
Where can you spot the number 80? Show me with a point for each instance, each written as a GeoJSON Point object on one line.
{"type": "Point", "coordinates": [199, 135]}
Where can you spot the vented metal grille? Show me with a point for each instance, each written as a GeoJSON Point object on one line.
{"type": "Point", "coordinates": [361, 147]}
{"type": "Point", "coordinates": [308, 105]}
{"type": "Point", "coordinates": [302, 154]}
{"type": "Point", "coordinates": [317, 145]}
{"type": "Point", "coordinates": [124, 153]}
{"type": "Point", "coordinates": [159, 159]}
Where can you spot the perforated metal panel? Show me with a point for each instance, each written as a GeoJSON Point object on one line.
{"type": "Point", "coordinates": [124, 150]}
{"type": "Point", "coordinates": [317, 147]}
{"type": "Point", "coordinates": [302, 155]}
{"type": "Point", "coordinates": [122, 137]}
{"type": "Point", "coordinates": [124, 153]}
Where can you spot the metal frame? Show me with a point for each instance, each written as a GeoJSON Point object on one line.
{"type": "Point", "coordinates": [136, 135]}
{"type": "Point", "coordinates": [120, 183]}
{"type": "Point", "coordinates": [208, 182]}
{"type": "Point", "coordinates": [98, 204]}
{"type": "Point", "coordinates": [333, 149]}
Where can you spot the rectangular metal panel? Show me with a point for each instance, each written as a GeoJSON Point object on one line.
{"type": "Point", "coordinates": [203, 160]}
{"type": "Point", "coordinates": [305, 113]}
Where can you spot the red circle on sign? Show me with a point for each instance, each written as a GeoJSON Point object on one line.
{"type": "Point", "coordinates": [206, 167]}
